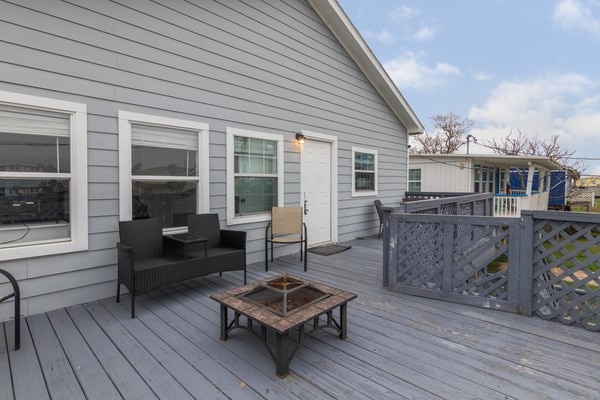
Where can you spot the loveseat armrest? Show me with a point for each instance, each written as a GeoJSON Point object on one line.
{"type": "Point", "coordinates": [233, 239]}
{"type": "Point", "coordinates": [125, 263]}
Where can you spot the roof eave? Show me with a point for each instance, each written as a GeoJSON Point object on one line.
{"type": "Point", "coordinates": [340, 25]}
{"type": "Point", "coordinates": [503, 160]}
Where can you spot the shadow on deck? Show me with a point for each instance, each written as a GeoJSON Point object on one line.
{"type": "Point", "coordinates": [398, 347]}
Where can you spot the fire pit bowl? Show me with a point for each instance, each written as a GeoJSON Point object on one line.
{"type": "Point", "coordinates": [284, 295]}
{"type": "Point", "coordinates": [285, 283]}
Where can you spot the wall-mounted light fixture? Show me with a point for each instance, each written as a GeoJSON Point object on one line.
{"type": "Point", "coordinates": [300, 137]}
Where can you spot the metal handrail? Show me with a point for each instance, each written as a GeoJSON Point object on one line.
{"type": "Point", "coordinates": [17, 295]}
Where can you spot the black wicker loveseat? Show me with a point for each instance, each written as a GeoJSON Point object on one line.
{"type": "Point", "coordinates": [148, 261]}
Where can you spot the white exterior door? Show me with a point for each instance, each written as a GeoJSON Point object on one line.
{"type": "Point", "coordinates": [317, 186]}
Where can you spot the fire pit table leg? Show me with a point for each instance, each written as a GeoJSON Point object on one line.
{"type": "Point", "coordinates": [344, 321]}
{"type": "Point", "coordinates": [223, 322]}
{"type": "Point", "coordinates": [282, 354]}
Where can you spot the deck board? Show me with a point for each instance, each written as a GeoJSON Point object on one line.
{"type": "Point", "coordinates": [56, 367]}
{"type": "Point", "coordinates": [157, 376]}
{"type": "Point", "coordinates": [26, 372]}
{"type": "Point", "coordinates": [123, 374]}
{"type": "Point", "coordinates": [94, 381]}
{"type": "Point", "coordinates": [5, 368]}
{"type": "Point", "coordinates": [398, 346]}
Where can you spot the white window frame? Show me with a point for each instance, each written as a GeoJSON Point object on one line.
{"type": "Point", "coordinates": [78, 191]}
{"type": "Point", "coordinates": [127, 118]}
{"type": "Point", "coordinates": [420, 181]}
{"type": "Point", "coordinates": [364, 193]}
{"type": "Point", "coordinates": [232, 219]}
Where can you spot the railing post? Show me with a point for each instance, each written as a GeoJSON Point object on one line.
{"type": "Point", "coordinates": [447, 262]}
{"type": "Point", "coordinates": [17, 295]}
{"type": "Point", "coordinates": [388, 257]}
{"type": "Point", "coordinates": [526, 283]}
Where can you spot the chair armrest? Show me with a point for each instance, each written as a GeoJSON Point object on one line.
{"type": "Point", "coordinates": [233, 239]}
{"type": "Point", "coordinates": [125, 262]}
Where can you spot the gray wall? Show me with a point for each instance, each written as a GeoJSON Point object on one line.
{"type": "Point", "coordinates": [271, 66]}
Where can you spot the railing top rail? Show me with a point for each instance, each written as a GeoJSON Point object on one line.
{"type": "Point", "coordinates": [417, 205]}
{"type": "Point", "coordinates": [564, 216]}
{"type": "Point", "coordinates": [455, 219]}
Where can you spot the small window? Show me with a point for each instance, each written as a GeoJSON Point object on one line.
{"type": "Point", "coordinates": [414, 180]}
{"type": "Point", "coordinates": [255, 175]}
{"type": "Point", "coordinates": [164, 171]}
{"type": "Point", "coordinates": [43, 176]}
{"type": "Point", "coordinates": [364, 172]}
{"type": "Point", "coordinates": [477, 179]}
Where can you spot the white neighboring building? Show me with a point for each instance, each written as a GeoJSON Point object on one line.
{"type": "Point", "coordinates": [485, 173]}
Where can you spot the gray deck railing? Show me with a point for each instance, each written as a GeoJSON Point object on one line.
{"type": "Point", "coordinates": [467, 204]}
{"type": "Point", "coordinates": [546, 263]}
{"type": "Point", "coordinates": [413, 196]}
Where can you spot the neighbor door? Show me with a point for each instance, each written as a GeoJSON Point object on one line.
{"type": "Point", "coordinates": [316, 196]}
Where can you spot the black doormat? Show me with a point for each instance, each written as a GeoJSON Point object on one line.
{"type": "Point", "coordinates": [329, 249]}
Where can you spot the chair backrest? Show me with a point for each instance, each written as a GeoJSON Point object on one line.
{"type": "Point", "coordinates": [378, 206]}
{"type": "Point", "coordinates": [286, 221]}
{"type": "Point", "coordinates": [206, 225]}
{"type": "Point", "coordinates": [144, 236]}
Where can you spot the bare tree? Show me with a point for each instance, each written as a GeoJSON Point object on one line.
{"type": "Point", "coordinates": [535, 146]}
{"type": "Point", "coordinates": [509, 146]}
{"type": "Point", "coordinates": [447, 137]}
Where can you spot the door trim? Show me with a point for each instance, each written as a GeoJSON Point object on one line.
{"type": "Point", "coordinates": [334, 176]}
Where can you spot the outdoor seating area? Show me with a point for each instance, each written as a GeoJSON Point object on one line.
{"type": "Point", "coordinates": [397, 346]}
{"type": "Point", "coordinates": [147, 260]}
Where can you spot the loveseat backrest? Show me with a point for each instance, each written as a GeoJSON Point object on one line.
{"type": "Point", "coordinates": [144, 236]}
{"type": "Point", "coordinates": [206, 225]}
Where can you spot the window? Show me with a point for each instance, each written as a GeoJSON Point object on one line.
{"type": "Point", "coordinates": [364, 172]}
{"type": "Point", "coordinates": [484, 179]}
{"type": "Point", "coordinates": [414, 180]}
{"type": "Point", "coordinates": [163, 167]}
{"type": "Point", "coordinates": [43, 176]}
{"type": "Point", "coordinates": [254, 175]}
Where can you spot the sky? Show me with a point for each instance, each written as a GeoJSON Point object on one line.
{"type": "Point", "coordinates": [509, 65]}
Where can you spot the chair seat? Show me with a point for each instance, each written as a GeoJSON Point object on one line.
{"type": "Point", "coordinates": [157, 262]}
{"type": "Point", "coordinates": [287, 239]}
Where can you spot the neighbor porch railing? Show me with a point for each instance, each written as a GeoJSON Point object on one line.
{"type": "Point", "coordinates": [512, 204]}
{"type": "Point", "coordinates": [544, 263]}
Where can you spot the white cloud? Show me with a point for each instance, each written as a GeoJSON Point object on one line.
{"type": "Point", "coordinates": [555, 104]}
{"type": "Point", "coordinates": [403, 12]}
{"type": "Point", "coordinates": [573, 15]}
{"type": "Point", "coordinates": [481, 76]}
{"type": "Point", "coordinates": [409, 71]}
{"type": "Point", "coordinates": [425, 33]}
{"type": "Point", "coordinates": [386, 36]}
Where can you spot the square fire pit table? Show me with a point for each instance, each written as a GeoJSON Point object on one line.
{"type": "Point", "coordinates": [282, 304]}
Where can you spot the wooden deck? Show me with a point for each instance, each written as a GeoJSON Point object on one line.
{"type": "Point", "coordinates": [398, 347]}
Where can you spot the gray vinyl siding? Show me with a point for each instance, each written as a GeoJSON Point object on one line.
{"type": "Point", "coordinates": [270, 66]}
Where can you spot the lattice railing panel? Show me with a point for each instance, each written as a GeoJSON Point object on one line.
{"type": "Point", "coordinates": [567, 272]}
{"type": "Point", "coordinates": [465, 209]}
{"type": "Point", "coordinates": [420, 256]}
{"type": "Point", "coordinates": [475, 250]}
{"type": "Point", "coordinates": [448, 209]}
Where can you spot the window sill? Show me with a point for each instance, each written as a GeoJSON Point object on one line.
{"type": "Point", "coordinates": [364, 194]}
{"type": "Point", "coordinates": [248, 219]}
{"type": "Point", "coordinates": [40, 246]}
